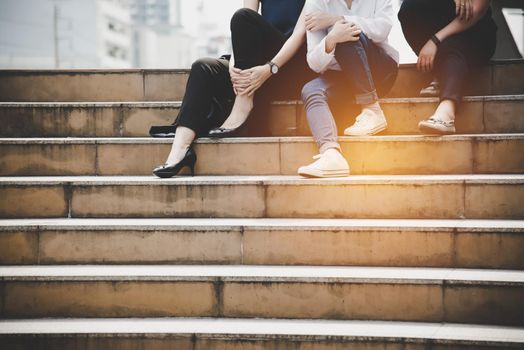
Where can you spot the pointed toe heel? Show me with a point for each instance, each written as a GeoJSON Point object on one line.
{"type": "Point", "coordinates": [169, 170]}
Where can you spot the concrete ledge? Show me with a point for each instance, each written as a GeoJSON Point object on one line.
{"type": "Point", "coordinates": [458, 154]}
{"type": "Point", "coordinates": [417, 294]}
{"type": "Point", "coordinates": [478, 115]}
{"type": "Point", "coordinates": [453, 196]}
{"type": "Point", "coordinates": [169, 84]}
{"type": "Point", "coordinates": [269, 329]}
{"type": "Point", "coordinates": [432, 243]}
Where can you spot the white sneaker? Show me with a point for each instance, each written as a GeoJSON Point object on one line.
{"type": "Point", "coordinates": [432, 90]}
{"type": "Point", "coordinates": [367, 123]}
{"type": "Point", "coordinates": [328, 164]}
{"type": "Point", "coordinates": [436, 126]}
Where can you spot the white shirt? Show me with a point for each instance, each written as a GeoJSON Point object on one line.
{"type": "Point", "coordinates": [374, 17]}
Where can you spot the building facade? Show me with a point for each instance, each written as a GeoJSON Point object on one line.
{"type": "Point", "coordinates": [65, 34]}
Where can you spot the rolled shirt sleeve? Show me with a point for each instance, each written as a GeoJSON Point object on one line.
{"type": "Point", "coordinates": [317, 57]}
{"type": "Point", "coordinates": [378, 27]}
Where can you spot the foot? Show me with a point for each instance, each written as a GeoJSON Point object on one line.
{"type": "Point", "coordinates": [241, 109]}
{"type": "Point", "coordinates": [367, 123]}
{"type": "Point", "coordinates": [432, 90]}
{"type": "Point", "coordinates": [171, 169]}
{"type": "Point", "coordinates": [331, 163]}
{"type": "Point", "coordinates": [437, 126]}
{"type": "Point", "coordinates": [442, 122]}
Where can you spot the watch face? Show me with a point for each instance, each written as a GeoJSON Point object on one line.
{"type": "Point", "coordinates": [274, 69]}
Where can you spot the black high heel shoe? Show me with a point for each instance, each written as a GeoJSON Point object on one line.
{"type": "Point", "coordinates": [169, 170]}
{"type": "Point", "coordinates": [224, 132]}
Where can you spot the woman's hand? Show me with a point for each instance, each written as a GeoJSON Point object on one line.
{"type": "Point", "coordinates": [320, 20]}
{"type": "Point", "coordinates": [257, 77]}
{"type": "Point", "coordinates": [239, 79]}
{"type": "Point", "coordinates": [426, 57]}
{"type": "Point", "coordinates": [343, 31]}
{"type": "Point", "coordinates": [464, 9]}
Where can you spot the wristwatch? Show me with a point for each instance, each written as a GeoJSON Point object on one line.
{"type": "Point", "coordinates": [274, 67]}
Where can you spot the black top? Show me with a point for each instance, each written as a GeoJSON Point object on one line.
{"type": "Point", "coordinates": [283, 14]}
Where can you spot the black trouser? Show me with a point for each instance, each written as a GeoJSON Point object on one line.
{"type": "Point", "coordinates": [459, 55]}
{"type": "Point", "coordinates": [209, 93]}
{"type": "Point", "coordinates": [209, 96]}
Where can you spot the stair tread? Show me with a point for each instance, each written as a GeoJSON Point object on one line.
{"type": "Point", "coordinates": [264, 180]}
{"type": "Point", "coordinates": [243, 140]}
{"type": "Point", "coordinates": [254, 273]}
{"type": "Point", "coordinates": [269, 327]}
{"type": "Point", "coordinates": [273, 224]}
{"type": "Point", "coordinates": [159, 104]}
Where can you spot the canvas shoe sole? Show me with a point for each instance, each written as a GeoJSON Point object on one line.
{"type": "Point", "coordinates": [383, 125]}
{"type": "Point", "coordinates": [318, 173]}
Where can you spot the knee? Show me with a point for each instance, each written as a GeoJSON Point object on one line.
{"type": "Point", "coordinates": [202, 65]}
{"type": "Point", "coordinates": [241, 16]}
{"type": "Point", "coordinates": [349, 47]}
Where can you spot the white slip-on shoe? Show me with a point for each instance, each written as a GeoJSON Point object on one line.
{"type": "Point", "coordinates": [367, 123]}
{"type": "Point", "coordinates": [436, 126]}
{"type": "Point", "coordinates": [331, 163]}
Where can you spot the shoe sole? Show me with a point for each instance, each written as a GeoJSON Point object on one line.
{"type": "Point", "coordinates": [324, 174]}
{"type": "Point", "coordinates": [425, 129]}
{"type": "Point", "coordinates": [377, 129]}
{"type": "Point", "coordinates": [163, 175]}
{"type": "Point", "coordinates": [429, 94]}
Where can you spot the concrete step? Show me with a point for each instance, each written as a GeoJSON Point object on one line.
{"type": "Point", "coordinates": [478, 115]}
{"type": "Point", "coordinates": [250, 334]}
{"type": "Point", "coordinates": [343, 293]}
{"type": "Point", "coordinates": [168, 85]}
{"type": "Point", "coordinates": [385, 197]}
{"type": "Point", "coordinates": [459, 154]}
{"type": "Point", "coordinates": [491, 244]}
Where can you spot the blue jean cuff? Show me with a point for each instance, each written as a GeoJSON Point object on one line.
{"type": "Point", "coordinates": [329, 145]}
{"type": "Point", "coordinates": [367, 98]}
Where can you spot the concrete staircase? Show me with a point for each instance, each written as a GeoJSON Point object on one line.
{"type": "Point", "coordinates": [421, 248]}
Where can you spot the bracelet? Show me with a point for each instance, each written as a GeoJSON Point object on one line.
{"type": "Point", "coordinates": [436, 40]}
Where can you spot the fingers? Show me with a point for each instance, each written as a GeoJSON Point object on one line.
{"type": "Point", "coordinates": [462, 10]}
{"type": "Point", "coordinates": [421, 64]}
{"type": "Point", "coordinates": [469, 11]}
{"type": "Point", "coordinates": [311, 22]}
{"type": "Point", "coordinates": [253, 90]}
{"type": "Point", "coordinates": [457, 7]}
{"type": "Point", "coordinates": [425, 64]}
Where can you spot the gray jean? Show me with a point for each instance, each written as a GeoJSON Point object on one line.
{"type": "Point", "coordinates": [362, 63]}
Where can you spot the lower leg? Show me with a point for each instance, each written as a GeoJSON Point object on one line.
{"type": "Point", "coordinates": [184, 137]}
{"type": "Point", "coordinates": [320, 119]}
{"type": "Point", "coordinates": [208, 82]}
{"type": "Point", "coordinates": [353, 59]}
{"type": "Point", "coordinates": [241, 110]}
{"type": "Point", "coordinates": [452, 70]}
